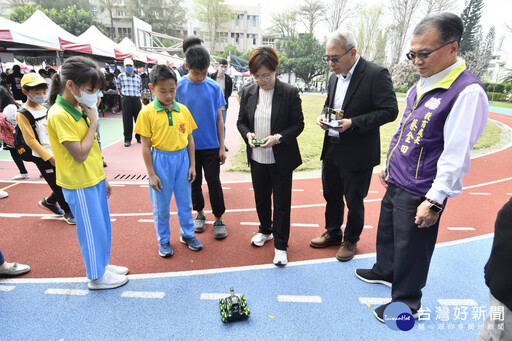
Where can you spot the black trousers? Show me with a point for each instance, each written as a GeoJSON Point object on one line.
{"type": "Point", "coordinates": [404, 251]}
{"type": "Point", "coordinates": [268, 182]}
{"type": "Point", "coordinates": [48, 172]}
{"type": "Point", "coordinates": [209, 161]}
{"type": "Point", "coordinates": [131, 107]}
{"type": "Point", "coordinates": [17, 160]}
{"type": "Point", "coordinates": [337, 183]}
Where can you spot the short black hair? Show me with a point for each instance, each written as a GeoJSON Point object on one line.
{"type": "Point", "coordinates": [449, 26]}
{"type": "Point", "coordinates": [43, 73]}
{"type": "Point", "coordinates": [223, 61]}
{"type": "Point", "coordinates": [43, 86]}
{"type": "Point", "coordinates": [191, 41]}
{"type": "Point", "coordinates": [161, 73]}
{"type": "Point", "coordinates": [197, 57]}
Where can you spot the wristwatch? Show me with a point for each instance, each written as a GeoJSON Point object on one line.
{"type": "Point", "coordinates": [434, 206]}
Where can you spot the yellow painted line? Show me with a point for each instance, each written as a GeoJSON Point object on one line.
{"type": "Point", "coordinates": [3, 189]}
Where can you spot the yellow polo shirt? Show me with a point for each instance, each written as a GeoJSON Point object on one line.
{"type": "Point", "coordinates": [168, 129]}
{"type": "Point", "coordinates": [66, 123]}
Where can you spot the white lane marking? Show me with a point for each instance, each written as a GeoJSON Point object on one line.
{"type": "Point", "coordinates": [251, 189]}
{"type": "Point", "coordinates": [475, 193]}
{"type": "Point", "coordinates": [248, 223]}
{"type": "Point", "coordinates": [226, 187]}
{"type": "Point", "coordinates": [299, 299]}
{"type": "Point", "coordinates": [461, 228]}
{"type": "Point", "coordinates": [67, 292]}
{"type": "Point", "coordinates": [374, 300]}
{"type": "Point", "coordinates": [144, 186]}
{"type": "Point", "coordinates": [53, 217]}
{"type": "Point", "coordinates": [457, 302]}
{"type": "Point", "coordinates": [7, 287]}
{"type": "Point", "coordinates": [487, 183]}
{"type": "Point", "coordinates": [367, 227]}
{"type": "Point", "coordinates": [297, 190]}
{"type": "Point", "coordinates": [224, 270]}
{"type": "Point", "coordinates": [212, 296]}
{"type": "Point", "coordinates": [146, 221]}
{"type": "Point", "coordinates": [117, 185]}
{"type": "Point", "coordinates": [112, 220]}
{"type": "Point", "coordinates": [373, 191]}
{"type": "Point", "coordinates": [143, 294]}
{"type": "Point", "coordinates": [509, 193]}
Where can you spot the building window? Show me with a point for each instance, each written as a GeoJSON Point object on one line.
{"type": "Point", "coordinates": [120, 2]}
{"type": "Point", "coordinates": [94, 11]}
{"type": "Point", "coordinates": [254, 38]}
{"type": "Point", "coordinates": [120, 13]}
{"type": "Point", "coordinates": [130, 32]}
{"type": "Point", "coordinates": [93, 2]}
{"type": "Point", "coordinates": [254, 20]}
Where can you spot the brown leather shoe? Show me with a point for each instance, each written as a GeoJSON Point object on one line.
{"type": "Point", "coordinates": [324, 240]}
{"type": "Point", "coordinates": [346, 251]}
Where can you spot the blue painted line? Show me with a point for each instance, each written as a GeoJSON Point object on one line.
{"type": "Point", "coordinates": [500, 110]}
{"type": "Point", "coordinates": [456, 273]}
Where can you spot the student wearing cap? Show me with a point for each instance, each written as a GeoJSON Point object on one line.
{"type": "Point", "coordinates": [36, 90]}
{"type": "Point", "coordinates": [129, 86]}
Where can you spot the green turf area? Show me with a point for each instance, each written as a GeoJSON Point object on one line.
{"type": "Point", "coordinates": [311, 139]}
{"type": "Point", "coordinates": [501, 104]}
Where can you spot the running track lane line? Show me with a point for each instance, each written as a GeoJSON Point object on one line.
{"type": "Point", "coordinates": [221, 270]}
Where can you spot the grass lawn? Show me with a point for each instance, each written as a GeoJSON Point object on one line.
{"type": "Point", "coordinates": [311, 139]}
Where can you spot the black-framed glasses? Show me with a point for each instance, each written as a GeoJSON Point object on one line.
{"type": "Point", "coordinates": [424, 55]}
{"type": "Point", "coordinates": [328, 59]}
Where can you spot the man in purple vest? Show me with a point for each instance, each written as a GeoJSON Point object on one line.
{"type": "Point", "coordinates": [445, 115]}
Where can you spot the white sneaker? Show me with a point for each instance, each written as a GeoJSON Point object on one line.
{"type": "Point", "coordinates": [109, 280]}
{"type": "Point", "coordinates": [259, 239]}
{"type": "Point", "coordinates": [280, 257]}
{"type": "Point", "coordinates": [118, 270]}
{"type": "Point", "coordinates": [22, 176]}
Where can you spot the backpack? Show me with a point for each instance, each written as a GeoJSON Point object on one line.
{"type": "Point", "coordinates": [20, 145]}
{"type": "Point", "coordinates": [6, 131]}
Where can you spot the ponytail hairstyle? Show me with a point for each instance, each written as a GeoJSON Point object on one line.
{"type": "Point", "coordinates": [79, 70]}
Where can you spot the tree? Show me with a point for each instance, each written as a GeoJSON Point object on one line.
{"type": "Point", "coordinates": [215, 14]}
{"type": "Point", "coordinates": [370, 34]}
{"type": "Point", "coordinates": [109, 6]}
{"type": "Point", "coordinates": [285, 22]}
{"type": "Point", "coordinates": [405, 74]}
{"type": "Point", "coordinates": [155, 13]}
{"type": "Point", "coordinates": [471, 21]}
{"type": "Point", "coordinates": [311, 13]}
{"type": "Point", "coordinates": [432, 6]}
{"type": "Point", "coordinates": [75, 21]}
{"type": "Point", "coordinates": [62, 4]}
{"type": "Point", "coordinates": [339, 11]}
{"type": "Point", "coordinates": [302, 55]}
{"type": "Point", "coordinates": [402, 12]}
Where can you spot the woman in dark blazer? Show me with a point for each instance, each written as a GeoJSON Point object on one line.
{"type": "Point", "coordinates": [271, 111]}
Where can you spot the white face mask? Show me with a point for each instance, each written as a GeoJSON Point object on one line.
{"type": "Point", "coordinates": [223, 70]}
{"type": "Point", "coordinates": [89, 100]}
{"type": "Point", "coordinates": [39, 99]}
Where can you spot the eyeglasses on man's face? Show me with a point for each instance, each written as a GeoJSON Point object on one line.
{"type": "Point", "coordinates": [424, 55]}
{"type": "Point", "coordinates": [335, 59]}
{"type": "Point", "coordinates": [262, 78]}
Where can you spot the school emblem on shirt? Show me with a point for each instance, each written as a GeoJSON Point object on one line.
{"type": "Point", "coordinates": [183, 129]}
{"type": "Point", "coordinates": [433, 103]}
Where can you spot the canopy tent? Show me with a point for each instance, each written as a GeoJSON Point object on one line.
{"type": "Point", "coordinates": [234, 72]}
{"type": "Point", "coordinates": [16, 38]}
{"type": "Point", "coordinates": [129, 47]}
{"type": "Point", "coordinates": [102, 44]}
{"type": "Point", "coordinates": [48, 30]}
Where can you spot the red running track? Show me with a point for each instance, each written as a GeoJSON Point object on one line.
{"type": "Point", "coordinates": [29, 235]}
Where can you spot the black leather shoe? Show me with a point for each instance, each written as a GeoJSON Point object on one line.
{"type": "Point", "coordinates": [127, 143]}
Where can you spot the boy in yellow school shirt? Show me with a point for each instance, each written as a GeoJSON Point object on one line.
{"type": "Point", "coordinates": [165, 127]}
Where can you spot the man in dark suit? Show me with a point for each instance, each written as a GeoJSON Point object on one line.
{"type": "Point", "coordinates": [364, 91]}
{"type": "Point", "coordinates": [226, 84]}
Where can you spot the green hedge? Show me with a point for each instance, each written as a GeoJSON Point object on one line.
{"type": "Point", "coordinates": [498, 87]}
{"type": "Point", "coordinates": [497, 96]}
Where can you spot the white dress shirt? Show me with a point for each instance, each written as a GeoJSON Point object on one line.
{"type": "Point", "coordinates": [341, 92]}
